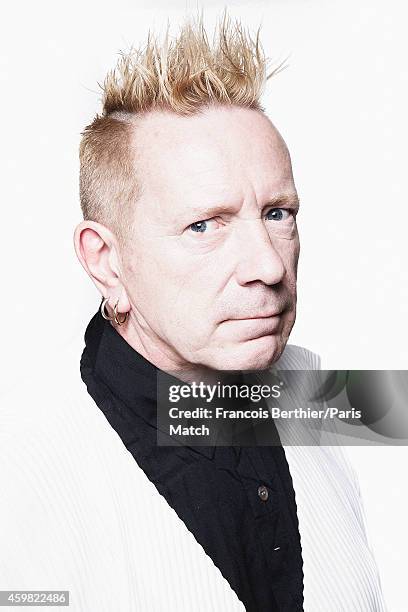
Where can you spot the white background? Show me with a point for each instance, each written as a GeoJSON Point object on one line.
{"type": "Point", "coordinates": [341, 106]}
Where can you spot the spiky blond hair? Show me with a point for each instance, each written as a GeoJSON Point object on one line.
{"type": "Point", "coordinates": [184, 75]}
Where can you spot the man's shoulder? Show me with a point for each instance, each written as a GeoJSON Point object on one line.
{"type": "Point", "coordinates": [50, 398]}
{"type": "Point", "coordinates": [76, 500]}
{"type": "Point", "coordinates": [296, 357]}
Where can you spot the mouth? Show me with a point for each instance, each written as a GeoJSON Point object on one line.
{"type": "Point", "coordinates": [255, 326]}
{"type": "Point", "coordinates": [256, 316]}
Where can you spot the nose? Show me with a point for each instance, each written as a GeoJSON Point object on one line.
{"type": "Point", "coordinates": [258, 259]}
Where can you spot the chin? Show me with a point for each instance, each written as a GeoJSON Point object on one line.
{"type": "Point", "coordinates": [257, 354]}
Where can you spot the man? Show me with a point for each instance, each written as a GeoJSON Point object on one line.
{"type": "Point", "coordinates": [190, 236]}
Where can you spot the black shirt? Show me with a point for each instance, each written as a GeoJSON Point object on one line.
{"type": "Point", "coordinates": [238, 502]}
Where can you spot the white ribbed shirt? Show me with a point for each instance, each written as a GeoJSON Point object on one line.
{"type": "Point", "coordinates": [340, 573]}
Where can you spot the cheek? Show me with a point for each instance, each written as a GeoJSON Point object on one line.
{"type": "Point", "coordinates": [173, 297]}
{"type": "Point", "coordinates": [190, 323]}
{"type": "Point", "coordinates": [150, 269]}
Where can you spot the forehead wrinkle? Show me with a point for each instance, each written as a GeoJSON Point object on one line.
{"type": "Point", "coordinates": [201, 188]}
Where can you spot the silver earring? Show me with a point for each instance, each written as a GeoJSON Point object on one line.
{"type": "Point", "coordinates": [103, 309]}
{"type": "Point", "coordinates": [116, 317]}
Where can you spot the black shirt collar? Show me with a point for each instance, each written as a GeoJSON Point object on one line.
{"type": "Point", "coordinates": [128, 375]}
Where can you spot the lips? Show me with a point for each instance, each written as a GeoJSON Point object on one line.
{"type": "Point", "coordinates": [258, 316]}
{"type": "Point", "coordinates": [267, 315]}
{"type": "Point", "coordinates": [253, 327]}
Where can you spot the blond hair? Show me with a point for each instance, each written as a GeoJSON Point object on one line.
{"type": "Point", "coordinates": [184, 75]}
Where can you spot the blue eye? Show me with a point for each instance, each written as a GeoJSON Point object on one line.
{"type": "Point", "coordinates": [199, 226]}
{"type": "Point", "coordinates": [277, 214]}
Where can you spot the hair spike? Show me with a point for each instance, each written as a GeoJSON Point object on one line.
{"type": "Point", "coordinates": [186, 72]}
{"type": "Point", "coordinates": [183, 74]}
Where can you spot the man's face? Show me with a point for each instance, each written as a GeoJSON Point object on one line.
{"type": "Point", "coordinates": [210, 265]}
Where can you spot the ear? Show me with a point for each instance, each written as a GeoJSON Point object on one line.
{"type": "Point", "coordinates": [97, 250]}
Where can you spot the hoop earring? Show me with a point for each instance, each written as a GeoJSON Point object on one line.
{"type": "Point", "coordinates": [115, 315]}
{"type": "Point", "coordinates": [106, 316]}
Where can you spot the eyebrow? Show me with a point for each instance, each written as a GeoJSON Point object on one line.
{"type": "Point", "coordinates": [288, 200]}
{"type": "Point", "coordinates": [211, 211]}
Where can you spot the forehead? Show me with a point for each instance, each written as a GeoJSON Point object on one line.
{"type": "Point", "coordinates": [222, 153]}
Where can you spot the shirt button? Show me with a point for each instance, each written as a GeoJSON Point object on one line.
{"type": "Point", "coordinates": [263, 493]}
